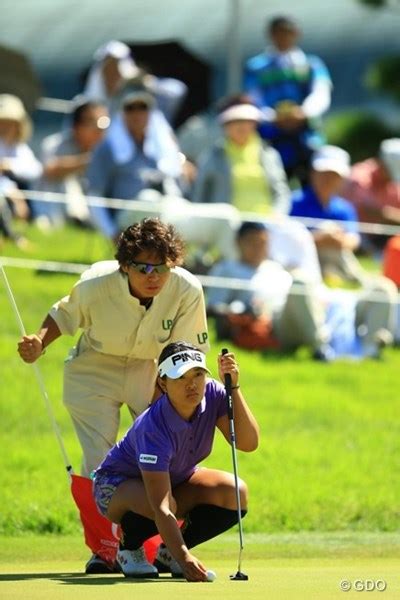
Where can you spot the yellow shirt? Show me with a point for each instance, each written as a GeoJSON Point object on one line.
{"type": "Point", "coordinates": [250, 189]}
{"type": "Point", "coordinates": [114, 322]}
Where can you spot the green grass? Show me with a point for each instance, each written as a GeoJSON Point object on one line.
{"type": "Point", "coordinates": [330, 446]}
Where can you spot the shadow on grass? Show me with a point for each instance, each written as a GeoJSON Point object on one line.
{"type": "Point", "coordinates": [83, 579]}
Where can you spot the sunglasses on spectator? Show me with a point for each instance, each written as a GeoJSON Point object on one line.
{"type": "Point", "coordinates": [146, 268]}
{"type": "Point", "coordinates": [136, 106]}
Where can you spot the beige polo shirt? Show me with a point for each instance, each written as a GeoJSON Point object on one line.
{"type": "Point", "coordinates": [114, 322]}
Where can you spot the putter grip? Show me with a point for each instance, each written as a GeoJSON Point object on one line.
{"type": "Point", "coordinates": [227, 377]}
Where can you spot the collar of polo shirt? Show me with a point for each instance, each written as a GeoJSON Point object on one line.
{"type": "Point", "coordinates": [179, 363]}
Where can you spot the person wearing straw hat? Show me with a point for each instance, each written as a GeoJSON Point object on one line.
{"type": "Point", "coordinates": [127, 310]}
{"type": "Point", "coordinates": [18, 165]}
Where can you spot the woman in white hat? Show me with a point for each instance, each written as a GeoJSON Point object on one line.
{"type": "Point", "coordinates": [18, 164]}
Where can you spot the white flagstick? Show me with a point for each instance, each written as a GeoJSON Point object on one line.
{"type": "Point", "coordinates": [38, 376]}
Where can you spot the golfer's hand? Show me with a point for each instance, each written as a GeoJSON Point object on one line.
{"type": "Point", "coordinates": [227, 364]}
{"type": "Point", "coordinates": [30, 348]}
{"type": "Point", "coordinates": [193, 569]}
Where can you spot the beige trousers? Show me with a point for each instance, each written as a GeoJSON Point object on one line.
{"type": "Point", "coordinates": [95, 387]}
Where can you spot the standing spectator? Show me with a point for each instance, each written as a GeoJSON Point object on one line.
{"type": "Point", "coordinates": [373, 188]}
{"type": "Point", "coordinates": [18, 165]}
{"type": "Point", "coordinates": [138, 153]}
{"type": "Point", "coordinates": [65, 157]}
{"type": "Point", "coordinates": [337, 237]}
{"type": "Point", "coordinates": [114, 68]}
{"type": "Point", "coordinates": [293, 89]}
{"type": "Point", "coordinates": [127, 310]}
{"type": "Point", "coordinates": [240, 169]}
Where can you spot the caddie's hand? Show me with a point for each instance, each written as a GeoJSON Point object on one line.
{"type": "Point", "coordinates": [30, 348]}
{"type": "Point", "coordinates": [193, 569]}
{"type": "Point", "coordinates": [227, 364]}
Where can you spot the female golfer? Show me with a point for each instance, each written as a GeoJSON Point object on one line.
{"type": "Point", "coordinates": [129, 310]}
{"type": "Point", "coordinates": [150, 478]}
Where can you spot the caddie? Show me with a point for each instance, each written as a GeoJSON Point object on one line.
{"type": "Point", "coordinates": [128, 310]}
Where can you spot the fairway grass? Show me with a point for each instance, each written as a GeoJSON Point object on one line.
{"type": "Point", "coordinates": [300, 566]}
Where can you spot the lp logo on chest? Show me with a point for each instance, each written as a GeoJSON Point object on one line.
{"type": "Point", "coordinates": [167, 324]}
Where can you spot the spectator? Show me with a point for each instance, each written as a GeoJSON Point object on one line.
{"type": "Point", "coordinates": [18, 165]}
{"type": "Point", "coordinates": [293, 89]}
{"type": "Point", "coordinates": [330, 322]}
{"type": "Point", "coordinates": [337, 237]}
{"type": "Point", "coordinates": [373, 188]}
{"type": "Point", "coordinates": [114, 68]}
{"type": "Point", "coordinates": [139, 152]}
{"type": "Point", "coordinates": [65, 157]}
{"type": "Point", "coordinates": [240, 168]}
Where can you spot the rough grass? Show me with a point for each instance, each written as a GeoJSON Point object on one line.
{"type": "Point", "coordinates": [330, 446]}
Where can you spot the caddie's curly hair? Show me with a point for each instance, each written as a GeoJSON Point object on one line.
{"type": "Point", "coordinates": [153, 236]}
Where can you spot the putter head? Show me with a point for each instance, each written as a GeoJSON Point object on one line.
{"type": "Point", "coordinates": [239, 576]}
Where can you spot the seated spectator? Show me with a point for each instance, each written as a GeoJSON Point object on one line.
{"type": "Point", "coordinates": [139, 152]}
{"type": "Point", "coordinates": [298, 312]}
{"type": "Point", "coordinates": [337, 237]}
{"type": "Point", "coordinates": [373, 188]}
{"type": "Point", "coordinates": [293, 89]}
{"type": "Point", "coordinates": [240, 168]}
{"type": "Point", "coordinates": [114, 68]}
{"type": "Point", "coordinates": [18, 165]}
{"type": "Point", "coordinates": [65, 157]}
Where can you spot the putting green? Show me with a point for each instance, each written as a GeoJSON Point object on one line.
{"type": "Point", "coordinates": [37, 568]}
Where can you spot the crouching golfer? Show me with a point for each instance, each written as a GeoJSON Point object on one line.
{"type": "Point", "coordinates": [150, 478]}
{"type": "Point", "coordinates": [128, 310]}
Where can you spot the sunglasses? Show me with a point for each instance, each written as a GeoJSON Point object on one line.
{"type": "Point", "coordinates": [146, 268]}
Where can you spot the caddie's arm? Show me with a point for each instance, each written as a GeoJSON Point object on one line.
{"type": "Point", "coordinates": [31, 347]}
{"type": "Point", "coordinates": [247, 431]}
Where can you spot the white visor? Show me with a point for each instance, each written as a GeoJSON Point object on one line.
{"type": "Point", "coordinates": [241, 112]}
{"type": "Point", "coordinates": [179, 363]}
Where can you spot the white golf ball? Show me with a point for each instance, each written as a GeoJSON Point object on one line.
{"type": "Point", "coordinates": [211, 576]}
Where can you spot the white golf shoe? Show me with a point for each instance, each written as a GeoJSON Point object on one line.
{"type": "Point", "coordinates": [165, 562]}
{"type": "Point", "coordinates": [134, 564]}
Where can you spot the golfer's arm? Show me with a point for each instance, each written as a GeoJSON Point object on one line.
{"type": "Point", "coordinates": [48, 331]}
{"type": "Point", "coordinates": [163, 505]}
{"type": "Point", "coordinates": [247, 431]}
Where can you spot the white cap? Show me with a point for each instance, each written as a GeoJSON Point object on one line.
{"type": "Point", "coordinates": [179, 363]}
{"type": "Point", "coordinates": [122, 53]}
{"type": "Point", "coordinates": [241, 112]}
{"type": "Point", "coordinates": [332, 158]}
{"type": "Point", "coordinates": [390, 155]}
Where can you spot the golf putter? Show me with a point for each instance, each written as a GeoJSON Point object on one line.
{"type": "Point", "coordinates": [240, 576]}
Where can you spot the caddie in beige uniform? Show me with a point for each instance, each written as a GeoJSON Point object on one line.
{"type": "Point", "coordinates": [128, 310]}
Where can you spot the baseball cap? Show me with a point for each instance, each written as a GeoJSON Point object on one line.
{"type": "Point", "coordinates": [136, 97]}
{"type": "Point", "coordinates": [332, 158]}
{"type": "Point", "coordinates": [389, 152]}
{"type": "Point", "coordinates": [179, 363]}
{"type": "Point", "coordinates": [240, 112]}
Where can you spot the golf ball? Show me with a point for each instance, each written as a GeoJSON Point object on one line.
{"type": "Point", "coordinates": [211, 576]}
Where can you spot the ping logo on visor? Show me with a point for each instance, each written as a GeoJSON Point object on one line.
{"type": "Point", "coordinates": [176, 365]}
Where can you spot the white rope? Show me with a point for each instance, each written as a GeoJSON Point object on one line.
{"type": "Point", "coordinates": [149, 206]}
{"type": "Point", "coordinates": [207, 281]}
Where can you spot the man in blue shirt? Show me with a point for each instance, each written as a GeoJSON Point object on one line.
{"type": "Point", "coordinates": [294, 90]}
{"type": "Point", "coordinates": [337, 236]}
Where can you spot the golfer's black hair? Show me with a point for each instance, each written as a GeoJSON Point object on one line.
{"type": "Point", "coordinates": [81, 107]}
{"type": "Point", "coordinates": [250, 227]}
{"type": "Point", "coordinates": [153, 236]}
{"type": "Point", "coordinates": [281, 22]}
{"type": "Point", "coordinates": [175, 347]}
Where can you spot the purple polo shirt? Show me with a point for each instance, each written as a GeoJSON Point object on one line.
{"type": "Point", "coordinates": [161, 440]}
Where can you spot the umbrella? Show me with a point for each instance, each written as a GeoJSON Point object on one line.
{"type": "Point", "coordinates": [18, 77]}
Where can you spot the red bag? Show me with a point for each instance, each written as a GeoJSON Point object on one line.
{"type": "Point", "coordinates": [391, 259]}
{"type": "Point", "coordinates": [250, 332]}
